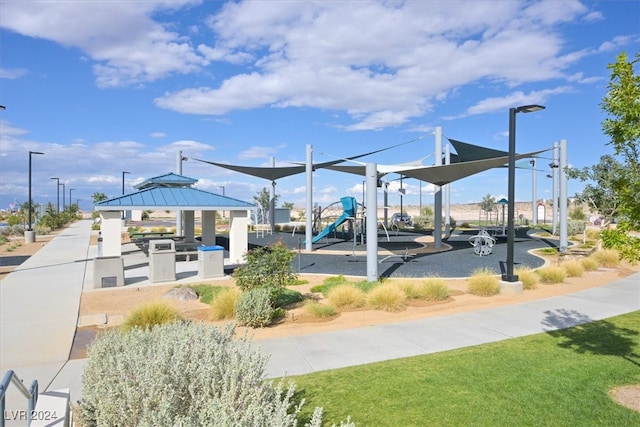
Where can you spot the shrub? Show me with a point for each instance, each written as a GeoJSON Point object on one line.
{"type": "Point", "coordinates": [528, 277]}
{"type": "Point", "coordinates": [223, 305]}
{"type": "Point", "coordinates": [187, 374]}
{"type": "Point", "coordinates": [573, 268]}
{"type": "Point", "coordinates": [593, 234]}
{"type": "Point", "coordinates": [607, 257]}
{"type": "Point", "coordinates": [589, 264]}
{"type": "Point", "coordinates": [150, 315]}
{"type": "Point", "coordinates": [434, 289]}
{"type": "Point", "coordinates": [386, 297]}
{"type": "Point", "coordinates": [410, 288]}
{"type": "Point", "coordinates": [288, 297]}
{"type": "Point", "coordinates": [627, 246]}
{"type": "Point", "coordinates": [206, 293]}
{"type": "Point", "coordinates": [483, 283]}
{"type": "Point", "coordinates": [346, 296]}
{"type": "Point", "coordinates": [268, 268]}
{"type": "Point", "coordinates": [552, 274]}
{"type": "Point", "coordinates": [254, 308]}
{"type": "Point", "coordinates": [320, 311]}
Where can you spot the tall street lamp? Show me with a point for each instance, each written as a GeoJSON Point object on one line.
{"type": "Point", "coordinates": [70, 203]}
{"type": "Point", "coordinates": [511, 211]}
{"type": "Point", "coordinates": [64, 205]}
{"type": "Point", "coordinates": [58, 191]}
{"type": "Point", "coordinates": [30, 235]}
{"type": "Point", "coordinates": [123, 174]}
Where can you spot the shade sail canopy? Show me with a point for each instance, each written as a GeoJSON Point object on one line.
{"type": "Point", "coordinates": [275, 173]}
{"type": "Point", "coordinates": [469, 152]}
{"type": "Point", "coordinates": [446, 174]}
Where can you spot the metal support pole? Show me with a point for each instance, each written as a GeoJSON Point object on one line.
{"type": "Point", "coordinates": [372, 222]}
{"type": "Point", "coordinates": [447, 195]}
{"type": "Point", "coordinates": [437, 203]}
{"type": "Point", "coordinates": [510, 276]}
{"type": "Point", "coordinates": [554, 182]}
{"type": "Point", "coordinates": [179, 212]}
{"type": "Point", "coordinates": [534, 197]}
{"type": "Point", "coordinates": [272, 201]}
{"type": "Point", "coordinates": [562, 205]}
{"type": "Point", "coordinates": [308, 232]}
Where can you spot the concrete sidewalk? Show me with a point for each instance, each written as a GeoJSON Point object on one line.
{"type": "Point", "coordinates": [39, 305]}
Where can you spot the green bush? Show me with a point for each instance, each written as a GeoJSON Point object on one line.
{"type": "Point", "coordinates": [552, 274]}
{"type": "Point", "coordinates": [346, 296]}
{"type": "Point", "coordinates": [528, 277]}
{"type": "Point", "coordinates": [386, 297]}
{"type": "Point", "coordinates": [254, 308]}
{"type": "Point", "coordinates": [320, 311]}
{"type": "Point", "coordinates": [627, 246]}
{"type": "Point", "coordinates": [223, 304]}
{"type": "Point", "coordinates": [268, 268]}
{"type": "Point", "coordinates": [187, 374]}
{"type": "Point", "coordinates": [288, 297]}
{"type": "Point", "coordinates": [483, 283]}
{"type": "Point", "coordinates": [151, 314]}
{"type": "Point", "coordinates": [573, 228]}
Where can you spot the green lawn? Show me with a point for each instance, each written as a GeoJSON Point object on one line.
{"type": "Point", "coordinates": [559, 378]}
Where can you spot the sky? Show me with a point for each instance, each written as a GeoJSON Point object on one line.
{"type": "Point", "coordinates": [106, 87]}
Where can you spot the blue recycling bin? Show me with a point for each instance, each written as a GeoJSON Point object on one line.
{"type": "Point", "coordinates": [210, 261]}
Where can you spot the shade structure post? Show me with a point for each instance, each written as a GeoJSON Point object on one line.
{"type": "Point", "coordinates": [308, 232]}
{"type": "Point", "coordinates": [372, 222]}
{"type": "Point", "coordinates": [437, 201]}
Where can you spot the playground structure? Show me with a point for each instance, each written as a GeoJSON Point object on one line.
{"type": "Point", "coordinates": [349, 217]}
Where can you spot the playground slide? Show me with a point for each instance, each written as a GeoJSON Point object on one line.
{"type": "Point", "coordinates": [349, 206]}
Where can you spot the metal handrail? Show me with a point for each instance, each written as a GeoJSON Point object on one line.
{"type": "Point", "coordinates": [31, 394]}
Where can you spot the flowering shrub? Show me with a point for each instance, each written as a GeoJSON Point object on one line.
{"type": "Point", "coordinates": [185, 374]}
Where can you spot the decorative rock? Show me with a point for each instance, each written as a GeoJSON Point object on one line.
{"type": "Point", "coordinates": [182, 294]}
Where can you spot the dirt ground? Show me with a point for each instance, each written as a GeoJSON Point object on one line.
{"type": "Point", "coordinates": [113, 305]}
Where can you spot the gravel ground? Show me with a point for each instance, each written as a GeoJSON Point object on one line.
{"type": "Point", "coordinates": [338, 256]}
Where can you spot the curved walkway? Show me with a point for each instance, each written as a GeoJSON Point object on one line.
{"type": "Point", "coordinates": [39, 305]}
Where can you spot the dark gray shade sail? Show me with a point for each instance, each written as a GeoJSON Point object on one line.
{"type": "Point", "coordinates": [446, 174]}
{"type": "Point", "coordinates": [275, 173]}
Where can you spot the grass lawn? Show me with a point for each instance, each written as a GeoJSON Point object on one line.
{"type": "Point", "coordinates": [558, 378]}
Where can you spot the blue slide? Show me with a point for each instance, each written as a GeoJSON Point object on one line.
{"type": "Point", "coordinates": [349, 206]}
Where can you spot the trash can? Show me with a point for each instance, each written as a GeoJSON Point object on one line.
{"type": "Point", "coordinates": [162, 260]}
{"type": "Point", "coordinates": [210, 261]}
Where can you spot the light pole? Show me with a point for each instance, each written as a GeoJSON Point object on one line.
{"type": "Point", "coordinates": [70, 204]}
{"type": "Point", "coordinates": [63, 199]}
{"type": "Point", "coordinates": [509, 276]}
{"type": "Point", "coordinates": [30, 235]}
{"type": "Point", "coordinates": [58, 188]}
{"type": "Point", "coordinates": [123, 174]}
{"type": "Point", "coordinates": [222, 186]}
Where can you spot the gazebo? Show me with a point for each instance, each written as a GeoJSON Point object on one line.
{"type": "Point", "coordinates": [176, 193]}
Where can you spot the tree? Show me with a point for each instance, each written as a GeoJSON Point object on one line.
{"type": "Point", "coordinates": [488, 203]}
{"type": "Point", "coordinates": [601, 193]}
{"type": "Point", "coordinates": [287, 205]}
{"type": "Point", "coordinates": [98, 197]}
{"type": "Point", "coordinates": [622, 104]}
{"type": "Point", "coordinates": [263, 198]}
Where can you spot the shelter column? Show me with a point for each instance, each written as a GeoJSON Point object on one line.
{"type": "Point", "coordinates": [189, 226]}
{"type": "Point", "coordinates": [238, 236]}
{"type": "Point", "coordinates": [111, 227]}
{"type": "Point", "coordinates": [308, 232]}
{"type": "Point", "coordinates": [208, 228]}
{"type": "Point", "coordinates": [372, 222]}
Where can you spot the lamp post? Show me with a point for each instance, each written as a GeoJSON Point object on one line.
{"type": "Point", "coordinates": [509, 276]}
{"type": "Point", "coordinates": [58, 191]}
{"type": "Point", "coordinates": [63, 199]}
{"type": "Point", "coordinates": [70, 203]}
{"type": "Point", "coordinates": [30, 235]}
{"type": "Point", "coordinates": [222, 186]}
{"type": "Point", "coordinates": [123, 174]}
{"type": "Point", "coordinates": [534, 205]}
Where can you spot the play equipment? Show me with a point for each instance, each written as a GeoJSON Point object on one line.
{"type": "Point", "coordinates": [349, 209]}
{"type": "Point", "coordinates": [482, 243]}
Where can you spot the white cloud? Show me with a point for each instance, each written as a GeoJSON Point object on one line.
{"type": "Point", "coordinates": [12, 73]}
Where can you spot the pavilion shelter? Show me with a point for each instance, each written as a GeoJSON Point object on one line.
{"type": "Point", "coordinates": [175, 192]}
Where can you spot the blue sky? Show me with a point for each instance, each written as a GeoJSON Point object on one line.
{"type": "Point", "coordinates": [103, 87]}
